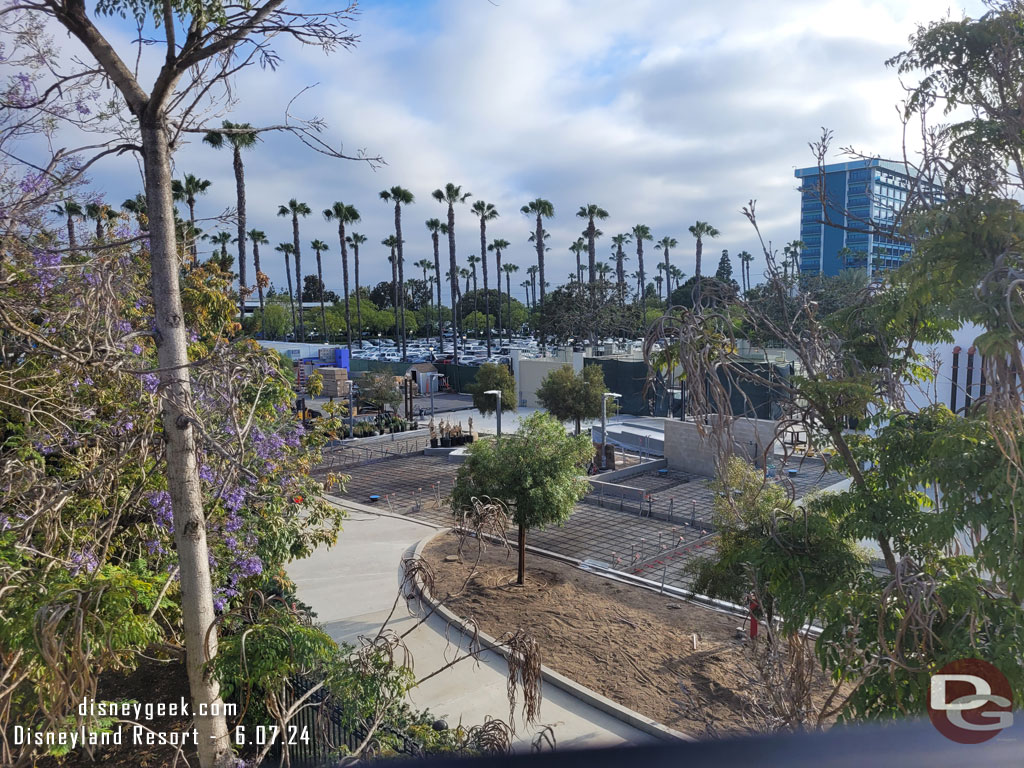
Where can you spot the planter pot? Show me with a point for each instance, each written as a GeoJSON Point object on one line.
{"type": "Point", "coordinates": [446, 442]}
{"type": "Point", "coordinates": [469, 439]}
{"type": "Point", "coordinates": [433, 442]}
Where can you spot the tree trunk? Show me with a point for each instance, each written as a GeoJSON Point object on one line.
{"type": "Point", "coordinates": [193, 245]}
{"type": "Point", "coordinates": [643, 282]}
{"type": "Point", "coordinates": [591, 256]}
{"type": "Point", "coordinates": [300, 334]}
{"type": "Point", "coordinates": [72, 240]}
{"type": "Point", "coordinates": [487, 295]}
{"type": "Point", "coordinates": [359, 312]}
{"type": "Point", "coordinates": [291, 293]}
{"type": "Point", "coordinates": [323, 312]}
{"type": "Point", "coordinates": [344, 279]}
{"type": "Point", "coordinates": [454, 275]}
{"type": "Point", "coordinates": [497, 275]}
{"type": "Point", "coordinates": [437, 269]}
{"type": "Point", "coordinates": [401, 274]}
{"type": "Point", "coordinates": [539, 234]}
{"type": "Point", "coordinates": [508, 294]}
{"type": "Point", "coordinates": [240, 193]}
{"type": "Point", "coordinates": [522, 556]}
{"type": "Point", "coordinates": [179, 440]}
{"type": "Point", "coordinates": [394, 294]}
{"type": "Point", "coordinates": [259, 286]}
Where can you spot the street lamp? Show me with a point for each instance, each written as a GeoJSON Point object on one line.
{"type": "Point", "coordinates": [497, 394]}
{"type": "Point", "coordinates": [604, 426]}
{"type": "Point", "coordinates": [433, 385]}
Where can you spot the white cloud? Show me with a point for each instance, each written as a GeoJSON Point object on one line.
{"type": "Point", "coordinates": [662, 112]}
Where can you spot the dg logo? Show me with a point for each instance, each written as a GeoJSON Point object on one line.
{"type": "Point", "coordinates": [970, 701]}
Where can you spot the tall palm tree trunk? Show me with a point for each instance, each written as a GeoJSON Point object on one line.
{"type": "Point", "coordinates": [298, 273]}
{"type": "Point", "coordinates": [401, 274]}
{"type": "Point", "coordinates": [323, 312]}
{"type": "Point", "coordinates": [539, 234]}
{"type": "Point", "coordinates": [437, 271]}
{"type": "Point", "coordinates": [291, 292]}
{"type": "Point", "coordinates": [72, 239]}
{"type": "Point", "coordinates": [455, 280]}
{"type": "Point", "coordinates": [359, 314]}
{"type": "Point", "coordinates": [497, 272]}
{"type": "Point", "coordinates": [508, 294]}
{"type": "Point", "coordinates": [487, 295]}
{"type": "Point", "coordinates": [240, 194]}
{"type": "Point", "coordinates": [394, 296]}
{"type": "Point", "coordinates": [259, 285]}
{"type": "Point", "coordinates": [344, 279]}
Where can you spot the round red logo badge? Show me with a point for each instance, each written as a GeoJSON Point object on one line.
{"type": "Point", "coordinates": [970, 701]}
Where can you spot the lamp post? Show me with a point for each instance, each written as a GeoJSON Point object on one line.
{"type": "Point", "coordinates": [433, 384]}
{"type": "Point", "coordinates": [351, 409]}
{"type": "Point", "coordinates": [497, 394]}
{"type": "Point", "coordinates": [604, 426]}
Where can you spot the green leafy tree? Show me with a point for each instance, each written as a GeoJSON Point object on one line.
{"type": "Point", "coordinates": [494, 376]}
{"type": "Point", "coordinates": [569, 396]}
{"type": "Point", "coordinates": [536, 472]}
{"type": "Point", "coordinates": [379, 390]}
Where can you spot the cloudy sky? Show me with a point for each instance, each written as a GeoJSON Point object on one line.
{"type": "Point", "coordinates": [661, 111]}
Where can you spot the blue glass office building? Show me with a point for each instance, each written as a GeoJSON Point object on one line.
{"type": "Point", "coordinates": [861, 201]}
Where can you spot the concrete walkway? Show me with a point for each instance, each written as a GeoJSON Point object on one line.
{"type": "Point", "coordinates": [352, 588]}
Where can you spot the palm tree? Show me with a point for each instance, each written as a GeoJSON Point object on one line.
{"type": "Point", "coordinates": [665, 244]}
{"type": "Point", "coordinates": [239, 136]}
{"type": "Point", "coordinates": [427, 265]}
{"type": "Point", "coordinates": [434, 226]}
{"type": "Point", "coordinates": [745, 259]}
{"type": "Point", "coordinates": [577, 250]}
{"type": "Point", "coordinates": [186, 190]}
{"type": "Point", "coordinates": [618, 241]}
{"type": "Point", "coordinates": [525, 285]}
{"type": "Point", "coordinates": [295, 209]}
{"type": "Point", "coordinates": [258, 238]}
{"type": "Point", "coordinates": [221, 259]}
{"type": "Point", "coordinates": [498, 246]}
{"type": "Point", "coordinates": [71, 211]}
{"type": "Point", "coordinates": [355, 240]}
{"type": "Point", "coordinates": [450, 195]}
{"type": "Point", "coordinates": [473, 260]}
{"type": "Point", "coordinates": [532, 272]}
{"type": "Point", "coordinates": [700, 230]}
{"type": "Point", "coordinates": [792, 251]}
{"type": "Point", "coordinates": [509, 269]}
{"type": "Point", "coordinates": [288, 249]}
{"type": "Point", "coordinates": [658, 279]}
{"type": "Point", "coordinates": [540, 208]}
{"type": "Point", "coordinates": [392, 242]}
{"type": "Point", "coordinates": [486, 212]}
{"type": "Point", "coordinates": [400, 196]}
{"type": "Point", "coordinates": [642, 232]}
{"type": "Point", "coordinates": [102, 214]}
{"type": "Point", "coordinates": [677, 278]}
{"type": "Point", "coordinates": [591, 212]}
{"type": "Point", "coordinates": [344, 214]}
{"type": "Point", "coordinates": [138, 207]}
{"type": "Point", "coordinates": [318, 247]}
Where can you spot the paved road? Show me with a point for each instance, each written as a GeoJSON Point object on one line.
{"type": "Point", "coordinates": [352, 588]}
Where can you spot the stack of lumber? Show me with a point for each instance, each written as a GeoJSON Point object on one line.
{"type": "Point", "coordinates": [336, 381]}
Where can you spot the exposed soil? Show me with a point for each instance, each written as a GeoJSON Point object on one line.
{"type": "Point", "coordinates": [629, 644]}
{"type": "Point", "coordinates": [152, 681]}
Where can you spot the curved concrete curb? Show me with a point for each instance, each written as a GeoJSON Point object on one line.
{"type": "Point", "coordinates": [584, 694]}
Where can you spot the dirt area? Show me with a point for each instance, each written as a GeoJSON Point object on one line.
{"type": "Point", "coordinates": [152, 681]}
{"type": "Point", "coordinates": [629, 644]}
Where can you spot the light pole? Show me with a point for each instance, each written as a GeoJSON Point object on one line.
{"type": "Point", "coordinates": [351, 409]}
{"type": "Point", "coordinates": [433, 384]}
{"type": "Point", "coordinates": [497, 394]}
{"type": "Point", "coordinates": [604, 426]}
